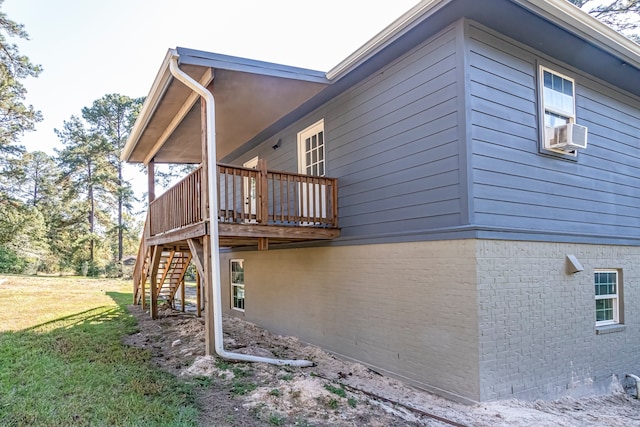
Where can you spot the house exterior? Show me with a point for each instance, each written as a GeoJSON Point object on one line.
{"type": "Point", "coordinates": [480, 234]}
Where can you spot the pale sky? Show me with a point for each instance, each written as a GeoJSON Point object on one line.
{"type": "Point", "coordinates": [89, 48]}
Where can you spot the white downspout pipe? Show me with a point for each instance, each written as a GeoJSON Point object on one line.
{"type": "Point", "coordinates": [213, 209]}
{"type": "Point", "coordinates": [637, 380]}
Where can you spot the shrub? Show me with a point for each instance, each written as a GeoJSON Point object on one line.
{"type": "Point", "coordinates": [10, 262]}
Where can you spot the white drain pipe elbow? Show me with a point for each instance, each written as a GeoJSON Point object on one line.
{"type": "Point", "coordinates": [637, 380]}
{"type": "Point", "coordinates": [213, 209]}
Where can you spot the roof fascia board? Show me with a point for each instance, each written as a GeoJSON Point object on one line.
{"type": "Point", "coordinates": [159, 87]}
{"type": "Point", "coordinates": [559, 12]}
{"type": "Point", "coordinates": [398, 27]}
{"type": "Point", "coordinates": [569, 16]}
{"type": "Point", "coordinates": [180, 115]}
{"type": "Point", "coordinates": [234, 63]}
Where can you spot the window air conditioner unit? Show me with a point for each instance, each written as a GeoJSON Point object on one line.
{"type": "Point", "coordinates": [569, 137]}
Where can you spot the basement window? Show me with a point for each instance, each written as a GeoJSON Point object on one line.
{"type": "Point", "coordinates": [237, 284]}
{"type": "Point", "coordinates": [608, 290]}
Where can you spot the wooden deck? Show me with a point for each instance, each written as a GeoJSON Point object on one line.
{"type": "Point", "coordinates": [256, 208]}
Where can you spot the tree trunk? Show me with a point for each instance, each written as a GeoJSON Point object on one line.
{"type": "Point", "coordinates": [120, 208]}
{"type": "Point", "coordinates": [36, 180]}
{"type": "Point", "coordinates": [91, 212]}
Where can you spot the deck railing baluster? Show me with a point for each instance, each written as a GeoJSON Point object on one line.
{"type": "Point", "coordinates": [281, 198]}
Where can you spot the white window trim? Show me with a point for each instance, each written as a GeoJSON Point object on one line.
{"type": "Point", "coordinates": [250, 204]}
{"type": "Point", "coordinates": [311, 195]}
{"type": "Point", "coordinates": [253, 163]}
{"type": "Point", "coordinates": [615, 297]}
{"type": "Point", "coordinates": [313, 129]}
{"type": "Point", "coordinates": [235, 285]}
{"type": "Point", "coordinates": [544, 131]}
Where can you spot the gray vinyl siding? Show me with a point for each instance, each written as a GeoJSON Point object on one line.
{"type": "Point", "coordinates": [515, 187]}
{"type": "Point", "coordinates": [446, 140]}
{"type": "Point", "coordinates": [395, 145]}
{"type": "Point", "coordinates": [392, 142]}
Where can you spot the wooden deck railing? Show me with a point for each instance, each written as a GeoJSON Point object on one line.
{"type": "Point", "coordinates": [139, 275]}
{"type": "Point", "coordinates": [179, 206]}
{"type": "Point", "coordinates": [250, 196]}
{"type": "Point", "coordinates": [276, 198]}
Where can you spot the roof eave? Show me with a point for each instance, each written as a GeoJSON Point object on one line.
{"type": "Point", "coordinates": [560, 12]}
{"type": "Point", "coordinates": [586, 27]}
{"type": "Point", "coordinates": [235, 63]}
{"type": "Point", "coordinates": [394, 30]}
{"type": "Point", "coordinates": [160, 84]}
{"type": "Point", "coordinates": [163, 87]}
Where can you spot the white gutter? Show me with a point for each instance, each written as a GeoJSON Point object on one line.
{"type": "Point", "coordinates": [212, 175]}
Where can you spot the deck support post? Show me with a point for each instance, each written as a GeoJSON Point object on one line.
{"type": "Point", "coordinates": [143, 290]}
{"type": "Point", "coordinates": [155, 264]}
{"type": "Point", "coordinates": [198, 295]}
{"type": "Point", "coordinates": [182, 293]}
{"type": "Point", "coordinates": [209, 338]}
{"type": "Point", "coordinates": [136, 282]}
{"type": "Point", "coordinates": [263, 243]}
{"type": "Point", "coordinates": [151, 180]}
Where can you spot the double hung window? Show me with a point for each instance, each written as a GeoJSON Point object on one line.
{"type": "Point", "coordinates": [237, 284]}
{"type": "Point", "coordinates": [557, 98]}
{"type": "Point", "coordinates": [607, 290]}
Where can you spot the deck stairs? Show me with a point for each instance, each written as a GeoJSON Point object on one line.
{"type": "Point", "coordinates": [173, 266]}
{"type": "Point", "coordinates": [171, 270]}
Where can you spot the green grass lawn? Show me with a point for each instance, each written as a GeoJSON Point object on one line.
{"type": "Point", "coordinates": [62, 361]}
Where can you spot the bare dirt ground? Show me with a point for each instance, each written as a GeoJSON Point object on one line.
{"type": "Point", "coordinates": [334, 392]}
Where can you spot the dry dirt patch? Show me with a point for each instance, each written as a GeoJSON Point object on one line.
{"type": "Point", "coordinates": [334, 392]}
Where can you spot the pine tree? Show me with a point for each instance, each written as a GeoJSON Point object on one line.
{"type": "Point", "coordinates": [112, 117]}
{"type": "Point", "coordinates": [87, 175]}
{"type": "Point", "coordinates": [31, 178]}
{"type": "Point", "coordinates": [15, 116]}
